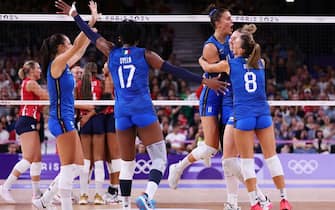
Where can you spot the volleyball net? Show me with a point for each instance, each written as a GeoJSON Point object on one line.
{"type": "Point", "coordinates": [299, 50]}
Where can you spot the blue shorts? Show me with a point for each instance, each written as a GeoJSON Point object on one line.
{"type": "Point", "coordinates": [95, 125]}
{"type": "Point", "coordinates": [109, 123]}
{"type": "Point", "coordinates": [58, 127]}
{"type": "Point", "coordinates": [227, 117]}
{"type": "Point", "coordinates": [139, 120]}
{"type": "Point", "coordinates": [253, 123]}
{"type": "Point", "coordinates": [25, 124]}
{"type": "Point", "coordinates": [210, 102]}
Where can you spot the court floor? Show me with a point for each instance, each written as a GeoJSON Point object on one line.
{"type": "Point", "coordinates": [202, 194]}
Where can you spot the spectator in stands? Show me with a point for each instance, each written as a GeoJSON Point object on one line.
{"type": "Point", "coordinates": [320, 143]}
{"type": "Point", "coordinates": [4, 135]}
{"type": "Point", "coordinates": [177, 140]}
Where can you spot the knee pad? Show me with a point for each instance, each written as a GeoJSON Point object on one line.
{"type": "Point", "coordinates": [22, 166]}
{"type": "Point", "coordinates": [66, 177]}
{"type": "Point", "coordinates": [231, 167]}
{"type": "Point", "coordinates": [158, 155]}
{"type": "Point", "coordinates": [127, 170]}
{"type": "Point", "coordinates": [248, 168]}
{"type": "Point", "coordinates": [274, 166]}
{"type": "Point", "coordinates": [35, 169]}
{"type": "Point", "coordinates": [115, 166]}
{"type": "Point", "coordinates": [203, 151]}
{"type": "Point", "coordinates": [99, 171]}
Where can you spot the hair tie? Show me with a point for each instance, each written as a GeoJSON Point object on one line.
{"type": "Point", "coordinates": [211, 13]}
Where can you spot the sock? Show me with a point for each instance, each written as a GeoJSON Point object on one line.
{"type": "Point", "coordinates": [66, 200]}
{"type": "Point", "coordinates": [50, 193]}
{"type": "Point", "coordinates": [232, 199]}
{"type": "Point", "coordinates": [9, 181]}
{"type": "Point", "coordinates": [260, 194]}
{"type": "Point", "coordinates": [253, 198]}
{"type": "Point", "coordinates": [283, 194]}
{"type": "Point", "coordinates": [99, 174]}
{"type": "Point", "coordinates": [36, 188]}
{"type": "Point", "coordinates": [184, 163]}
{"type": "Point", "coordinates": [151, 189]}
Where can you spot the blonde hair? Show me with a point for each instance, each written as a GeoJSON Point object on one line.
{"type": "Point", "coordinates": [25, 69]}
{"type": "Point", "coordinates": [251, 47]}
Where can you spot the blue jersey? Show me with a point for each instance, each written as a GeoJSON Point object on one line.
{"type": "Point", "coordinates": [61, 95]}
{"type": "Point", "coordinates": [249, 89]}
{"type": "Point", "coordinates": [130, 73]}
{"type": "Point", "coordinates": [209, 97]}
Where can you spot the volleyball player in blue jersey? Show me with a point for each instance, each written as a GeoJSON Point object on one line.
{"type": "Point", "coordinates": [58, 54]}
{"type": "Point", "coordinates": [213, 106]}
{"type": "Point", "coordinates": [252, 114]}
{"type": "Point", "coordinates": [134, 111]}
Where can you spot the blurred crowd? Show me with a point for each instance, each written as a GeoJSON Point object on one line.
{"type": "Point", "coordinates": [298, 129]}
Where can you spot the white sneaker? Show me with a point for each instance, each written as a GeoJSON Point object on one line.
{"type": "Point", "coordinates": [38, 203]}
{"type": "Point", "coordinates": [266, 204]}
{"type": "Point", "coordinates": [111, 198]}
{"type": "Point", "coordinates": [174, 175]}
{"type": "Point", "coordinates": [6, 195]}
{"type": "Point", "coordinates": [228, 206]}
{"type": "Point", "coordinates": [83, 199]}
{"type": "Point", "coordinates": [98, 199]}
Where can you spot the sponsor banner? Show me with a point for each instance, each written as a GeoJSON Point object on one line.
{"type": "Point", "coordinates": [296, 166]}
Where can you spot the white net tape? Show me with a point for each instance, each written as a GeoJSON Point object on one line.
{"type": "Point", "coordinates": [173, 18]}
{"type": "Point", "coordinates": [170, 102]}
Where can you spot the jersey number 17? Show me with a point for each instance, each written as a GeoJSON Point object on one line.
{"type": "Point", "coordinates": [131, 68]}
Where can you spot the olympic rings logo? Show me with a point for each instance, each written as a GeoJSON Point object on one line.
{"type": "Point", "coordinates": [303, 166]}
{"type": "Point", "coordinates": [143, 166]}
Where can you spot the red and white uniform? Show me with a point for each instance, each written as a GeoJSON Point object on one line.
{"type": "Point", "coordinates": [29, 110]}
{"type": "Point", "coordinates": [96, 91]}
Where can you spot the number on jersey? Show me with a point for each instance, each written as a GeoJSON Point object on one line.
{"type": "Point", "coordinates": [250, 82]}
{"type": "Point", "coordinates": [130, 68]}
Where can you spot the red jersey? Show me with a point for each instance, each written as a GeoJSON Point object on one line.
{"type": "Point", "coordinates": [29, 110]}
{"type": "Point", "coordinates": [95, 88]}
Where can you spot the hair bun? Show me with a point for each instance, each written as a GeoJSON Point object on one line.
{"type": "Point", "coordinates": [249, 28]}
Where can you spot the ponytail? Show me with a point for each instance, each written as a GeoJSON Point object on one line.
{"type": "Point", "coordinates": [45, 56]}
{"type": "Point", "coordinates": [215, 13]}
{"type": "Point", "coordinates": [254, 57]}
{"type": "Point", "coordinates": [21, 74]}
{"type": "Point", "coordinates": [86, 86]}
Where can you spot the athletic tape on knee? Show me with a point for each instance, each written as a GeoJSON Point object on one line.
{"type": "Point", "coordinates": [232, 167]}
{"type": "Point", "coordinates": [275, 166]}
{"type": "Point", "coordinates": [203, 151]}
{"type": "Point", "coordinates": [248, 168]}
{"type": "Point", "coordinates": [115, 165]}
{"type": "Point", "coordinates": [99, 171]}
{"type": "Point", "coordinates": [35, 169]}
{"type": "Point", "coordinates": [22, 166]}
{"type": "Point", "coordinates": [127, 170]}
{"type": "Point", "coordinates": [158, 155]}
{"type": "Point", "coordinates": [66, 176]}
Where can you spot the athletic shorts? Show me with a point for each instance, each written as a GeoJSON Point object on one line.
{"type": "Point", "coordinates": [253, 123]}
{"type": "Point", "coordinates": [227, 117]}
{"type": "Point", "coordinates": [25, 124]}
{"type": "Point", "coordinates": [210, 102]}
{"type": "Point", "coordinates": [138, 120]}
{"type": "Point", "coordinates": [95, 125]}
{"type": "Point", "coordinates": [109, 123]}
{"type": "Point", "coordinates": [58, 127]}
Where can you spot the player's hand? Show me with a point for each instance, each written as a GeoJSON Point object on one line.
{"type": "Point", "coordinates": [66, 9]}
{"type": "Point", "coordinates": [94, 13]}
{"type": "Point", "coordinates": [217, 85]}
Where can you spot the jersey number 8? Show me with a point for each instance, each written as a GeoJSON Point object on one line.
{"type": "Point", "coordinates": [250, 82]}
{"type": "Point", "coordinates": [130, 68]}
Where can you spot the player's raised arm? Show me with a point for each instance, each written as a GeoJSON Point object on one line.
{"type": "Point", "coordinates": [100, 42]}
